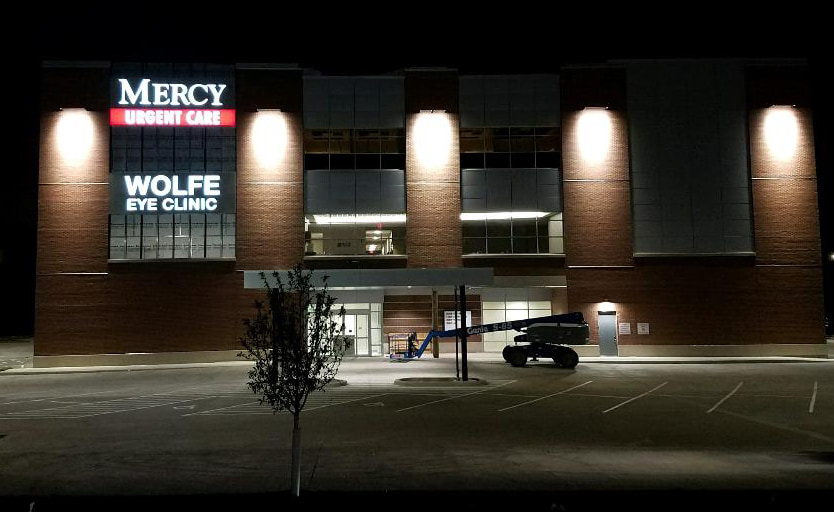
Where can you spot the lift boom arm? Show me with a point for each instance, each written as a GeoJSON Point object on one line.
{"type": "Point", "coordinates": [567, 320]}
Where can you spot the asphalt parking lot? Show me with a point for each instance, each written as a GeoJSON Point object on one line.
{"type": "Point", "coordinates": [603, 427]}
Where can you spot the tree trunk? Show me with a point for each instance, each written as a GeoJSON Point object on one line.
{"type": "Point", "coordinates": [295, 482]}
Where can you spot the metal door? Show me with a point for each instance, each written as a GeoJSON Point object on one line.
{"type": "Point", "coordinates": [607, 333]}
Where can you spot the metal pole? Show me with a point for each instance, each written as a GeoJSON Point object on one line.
{"type": "Point", "coordinates": [457, 366]}
{"type": "Point", "coordinates": [435, 312]}
{"type": "Point", "coordinates": [463, 333]}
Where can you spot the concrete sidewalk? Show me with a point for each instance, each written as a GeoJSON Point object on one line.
{"type": "Point", "coordinates": [366, 364]}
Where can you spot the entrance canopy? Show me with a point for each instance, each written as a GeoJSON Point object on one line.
{"type": "Point", "coordinates": [345, 279]}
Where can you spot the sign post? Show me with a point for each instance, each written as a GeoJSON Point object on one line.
{"type": "Point", "coordinates": [463, 347]}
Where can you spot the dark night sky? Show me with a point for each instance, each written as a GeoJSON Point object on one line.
{"type": "Point", "coordinates": [536, 40]}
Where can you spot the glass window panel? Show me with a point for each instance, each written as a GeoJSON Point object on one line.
{"type": "Point", "coordinates": [366, 141]}
{"type": "Point", "coordinates": [517, 304]}
{"type": "Point", "coordinates": [214, 247]}
{"type": "Point", "coordinates": [198, 235]}
{"type": "Point", "coordinates": [316, 141]}
{"type": "Point", "coordinates": [522, 140]}
{"type": "Point", "coordinates": [497, 160]}
{"type": "Point", "coordinates": [496, 337]}
{"type": "Point", "coordinates": [474, 245]}
{"type": "Point", "coordinates": [364, 161]}
{"type": "Point", "coordinates": [524, 227]}
{"type": "Point", "coordinates": [166, 236]}
{"type": "Point", "coordinates": [229, 224]}
{"type": "Point", "coordinates": [498, 228]}
{"type": "Point", "coordinates": [213, 224]}
{"type": "Point", "coordinates": [474, 229]}
{"type": "Point", "coordinates": [516, 314]}
{"type": "Point", "coordinates": [493, 305]}
{"type": "Point", "coordinates": [182, 236]}
{"type": "Point", "coordinates": [117, 226]}
{"type": "Point", "coordinates": [150, 237]}
{"type": "Point", "coordinates": [499, 246]}
{"type": "Point", "coordinates": [525, 245]}
{"type": "Point", "coordinates": [472, 160]}
{"type": "Point", "coordinates": [535, 313]}
{"type": "Point", "coordinates": [118, 248]}
{"type": "Point", "coordinates": [472, 141]}
{"type": "Point", "coordinates": [396, 161]}
{"type": "Point", "coordinates": [340, 141]}
{"type": "Point", "coordinates": [317, 161]}
{"type": "Point", "coordinates": [523, 160]}
{"type": "Point", "coordinates": [228, 246]}
{"type": "Point", "coordinates": [548, 139]}
{"type": "Point", "coordinates": [497, 140]}
{"type": "Point", "coordinates": [548, 160]}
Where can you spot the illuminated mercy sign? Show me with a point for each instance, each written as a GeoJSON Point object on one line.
{"type": "Point", "coordinates": [195, 193]}
{"type": "Point", "coordinates": [170, 94]}
{"type": "Point", "coordinates": [153, 95]}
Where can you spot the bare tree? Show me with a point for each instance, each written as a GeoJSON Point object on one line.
{"type": "Point", "coordinates": [297, 344]}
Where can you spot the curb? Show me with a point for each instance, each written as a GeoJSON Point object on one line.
{"type": "Point", "coordinates": [438, 381]}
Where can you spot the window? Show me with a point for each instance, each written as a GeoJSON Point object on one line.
{"type": "Point", "coordinates": [354, 166]}
{"type": "Point", "coordinates": [508, 304]}
{"type": "Point", "coordinates": [343, 235]}
{"type": "Point", "coordinates": [511, 190]}
{"type": "Point", "coordinates": [177, 236]}
{"type": "Point", "coordinates": [502, 233]}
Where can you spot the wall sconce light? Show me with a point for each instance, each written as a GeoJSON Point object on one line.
{"type": "Point", "coordinates": [594, 133]}
{"type": "Point", "coordinates": [781, 131]}
{"type": "Point", "coordinates": [74, 134]}
{"type": "Point", "coordinates": [269, 137]}
{"type": "Point", "coordinates": [606, 307]}
{"type": "Point", "coordinates": [432, 137]}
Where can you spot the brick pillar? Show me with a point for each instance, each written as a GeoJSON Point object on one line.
{"type": "Point", "coordinates": [71, 293]}
{"type": "Point", "coordinates": [785, 208]}
{"type": "Point", "coordinates": [597, 195]}
{"type": "Point", "coordinates": [270, 180]}
{"type": "Point", "coordinates": [432, 174]}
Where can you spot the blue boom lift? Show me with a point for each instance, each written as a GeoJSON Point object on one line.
{"type": "Point", "coordinates": [545, 336]}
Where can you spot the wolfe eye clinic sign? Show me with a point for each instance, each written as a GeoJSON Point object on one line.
{"type": "Point", "coordinates": [145, 102]}
{"type": "Point", "coordinates": [172, 193]}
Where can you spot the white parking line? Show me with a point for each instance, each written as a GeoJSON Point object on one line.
{"type": "Point", "coordinates": [57, 397]}
{"type": "Point", "coordinates": [542, 398]}
{"type": "Point", "coordinates": [635, 398]}
{"type": "Point", "coordinates": [222, 409]}
{"type": "Point", "coordinates": [813, 398]}
{"type": "Point", "coordinates": [454, 397]}
{"type": "Point", "coordinates": [714, 407]}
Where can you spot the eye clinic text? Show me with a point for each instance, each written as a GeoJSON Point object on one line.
{"type": "Point", "coordinates": [199, 193]}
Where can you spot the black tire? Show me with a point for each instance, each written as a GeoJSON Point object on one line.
{"type": "Point", "coordinates": [506, 352]}
{"type": "Point", "coordinates": [517, 357]}
{"type": "Point", "coordinates": [567, 358]}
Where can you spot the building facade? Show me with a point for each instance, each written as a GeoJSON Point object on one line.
{"type": "Point", "coordinates": [673, 203]}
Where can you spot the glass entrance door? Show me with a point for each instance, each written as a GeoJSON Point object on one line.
{"type": "Point", "coordinates": [356, 328]}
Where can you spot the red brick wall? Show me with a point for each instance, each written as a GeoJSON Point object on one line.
{"type": "Point", "coordinates": [412, 313]}
{"type": "Point", "coordinates": [775, 297]}
{"type": "Point", "coordinates": [597, 196]}
{"type": "Point", "coordinates": [85, 305]}
{"type": "Point", "coordinates": [270, 200]}
{"type": "Point", "coordinates": [433, 232]}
